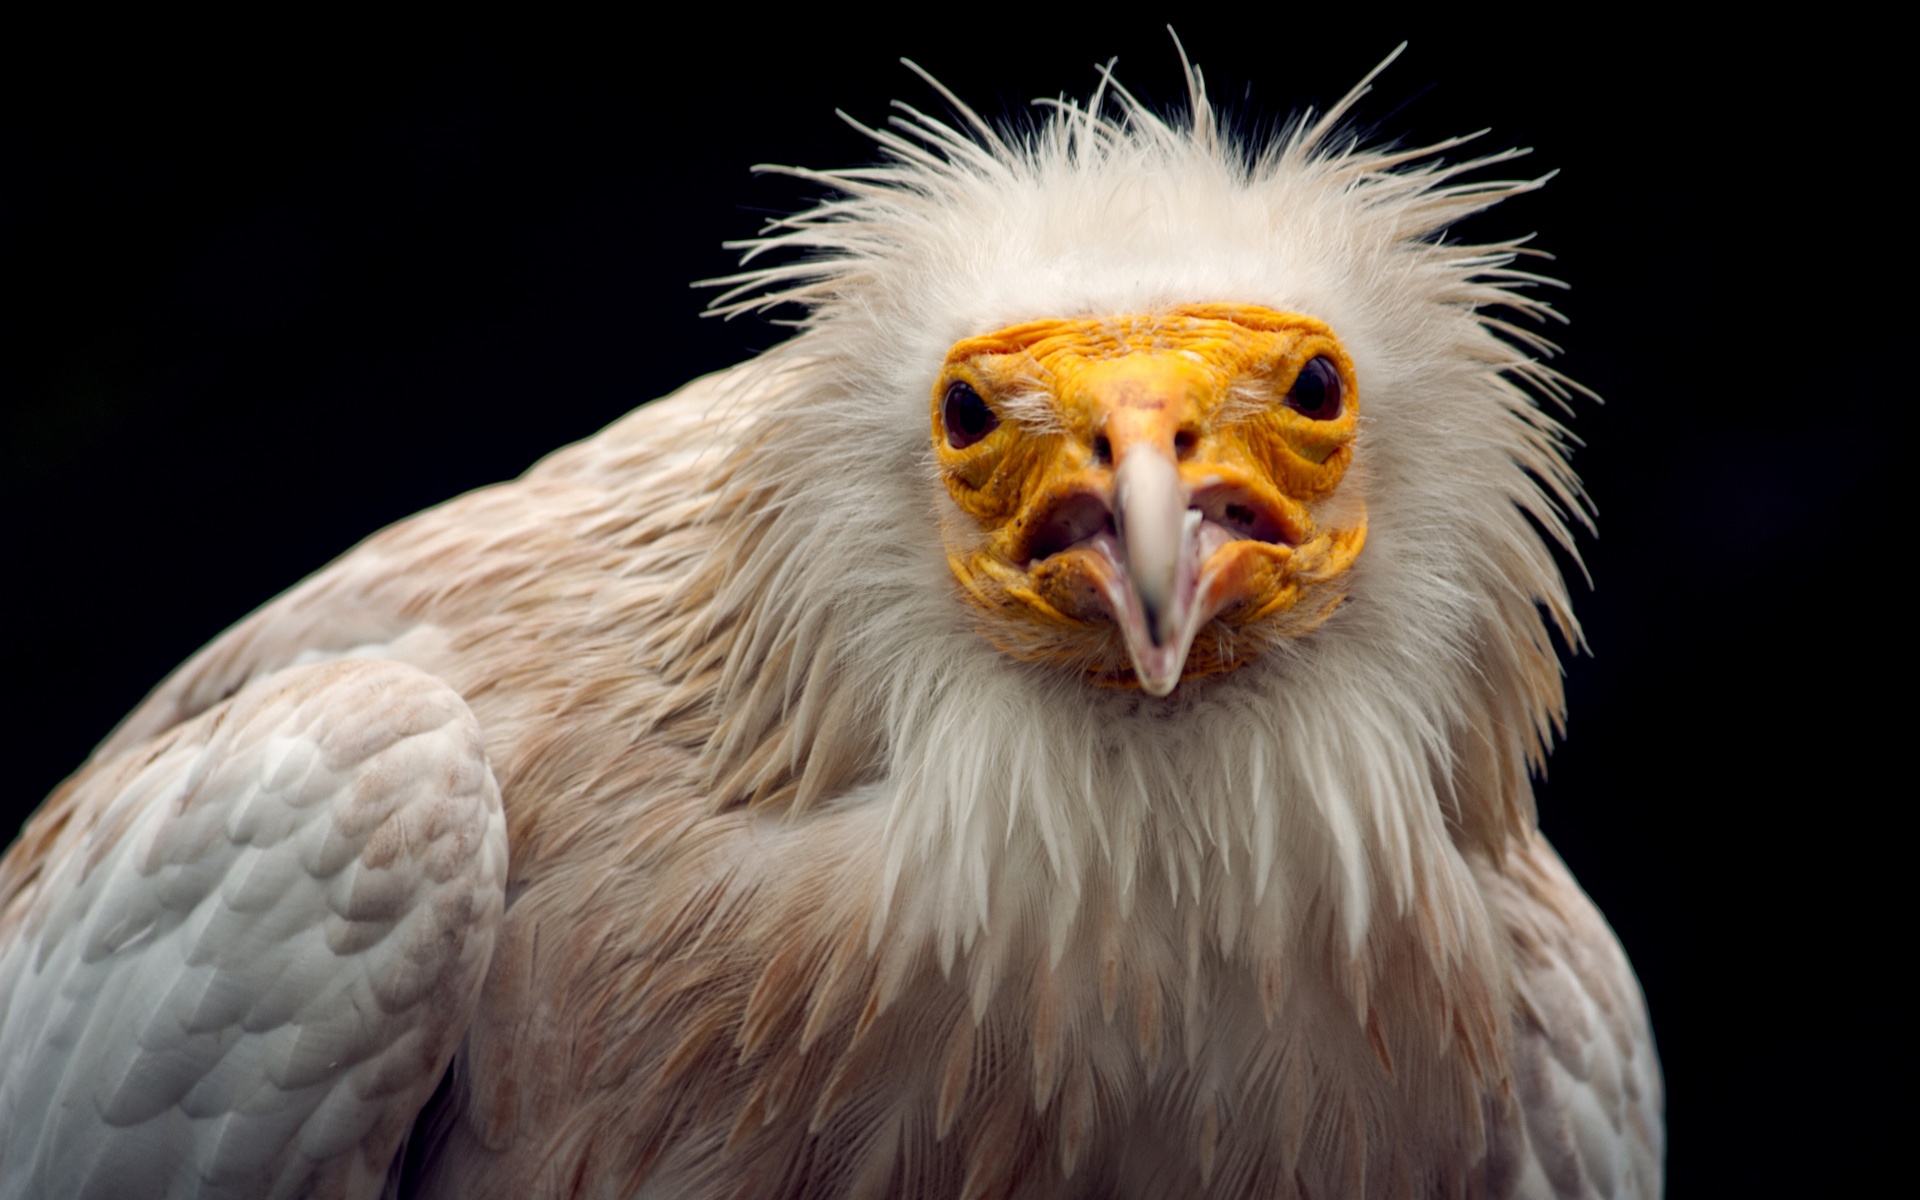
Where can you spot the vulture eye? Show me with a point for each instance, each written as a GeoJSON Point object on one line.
{"type": "Point", "coordinates": [1316, 391]}
{"type": "Point", "coordinates": [966, 416]}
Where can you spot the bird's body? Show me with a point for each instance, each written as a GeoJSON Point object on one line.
{"type": "Point", "coordinates": [847, 856]}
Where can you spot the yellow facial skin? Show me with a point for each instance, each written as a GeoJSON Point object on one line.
{"type": "Point", "coordinates": [1126, 443]}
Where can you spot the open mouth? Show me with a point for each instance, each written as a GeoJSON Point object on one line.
{"type": "Point", "coordinates": [1243, 515]}
{"type": "Point", "coordinates": [1228, 513]}
{"type": "Point", "coordinates": [1152, 550]}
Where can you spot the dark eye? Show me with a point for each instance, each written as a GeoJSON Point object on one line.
{"type": "Point", "coordinates": [966, 416]}
{"type": "Point", "coordinates": [1316, 391]}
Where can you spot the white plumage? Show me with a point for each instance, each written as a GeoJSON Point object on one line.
{"type": "Point", "coordinates": [262, 949]}
{"type": "Point", "coordinates": [822, 884]}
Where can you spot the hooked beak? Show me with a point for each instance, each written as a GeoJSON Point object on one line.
{"type": "Point", "coordinates": [1175, 501]}
{"type": "Point", "coordinates": [1147, 411]}
{"type": "Point", "coordinates": [1153, 588]}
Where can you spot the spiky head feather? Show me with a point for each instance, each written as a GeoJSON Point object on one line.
{"type": "Point", "coordinates": [1358, 759]}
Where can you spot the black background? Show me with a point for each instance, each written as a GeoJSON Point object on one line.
{"type": "Point", "coordinates": [267, 290]}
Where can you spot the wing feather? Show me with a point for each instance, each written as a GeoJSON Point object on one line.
{"type": "Point", "coordinates": [1588, 1079]}
{"type": "Point", "coordinates": [237, 957]}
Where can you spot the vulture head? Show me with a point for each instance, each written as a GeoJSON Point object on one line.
{"type": "Point", "coordinates": [1141, 496]}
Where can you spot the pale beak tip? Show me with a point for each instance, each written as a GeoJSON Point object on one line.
{"type": "Point", "coordinates": [1159, 669]}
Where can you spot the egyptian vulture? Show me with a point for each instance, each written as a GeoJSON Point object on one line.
{"type": "Point", "coordinates": [1059, 725]}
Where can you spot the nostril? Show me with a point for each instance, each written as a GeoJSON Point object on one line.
{"type": "Point", "coordinates": [1103, 450]}
{"type": "Point", "coordinates": [1184, 442]}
